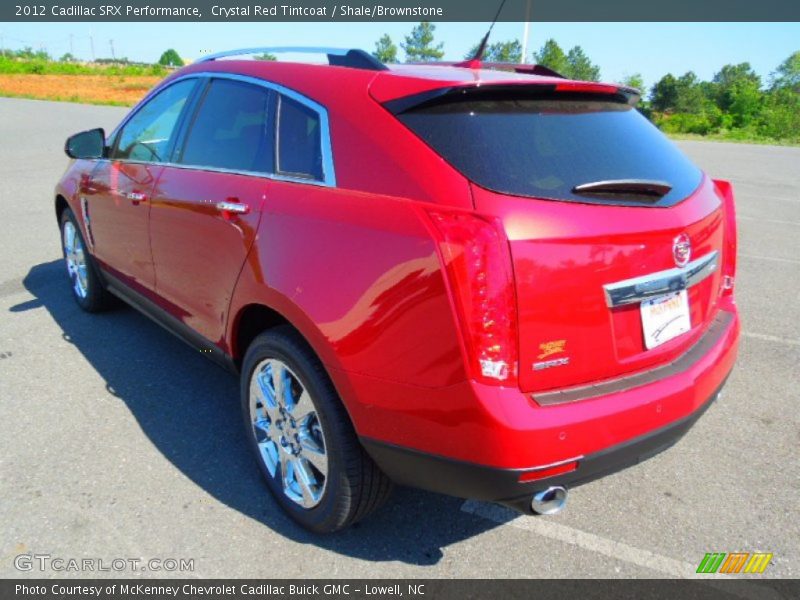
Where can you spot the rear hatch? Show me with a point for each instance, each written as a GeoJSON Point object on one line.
{"type": "Point", "coordinates": [590, 195]}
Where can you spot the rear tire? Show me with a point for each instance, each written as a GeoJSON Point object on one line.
{"type": "Point", "coordinates": [87, 287]}
{"type": "Point", "coordinates": [302, 437]}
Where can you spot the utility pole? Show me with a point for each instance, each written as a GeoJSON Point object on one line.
{"type": "Point", "coordinates": [71, 50]}
{"type": "Point", "coordinates": [111, 43]}
{"type": "Point", "coordinates": [91, 45]}
{"type": "Point", "coordinates": [524, 58]}
{"type": "Point", "coordinates": [2, 44]}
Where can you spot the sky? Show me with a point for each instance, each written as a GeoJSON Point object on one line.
{"type": "Point", "coordinates": [620, 49]}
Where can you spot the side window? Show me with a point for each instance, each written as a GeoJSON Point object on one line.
{"type": "Point", "coordinates": [147, 135]}
{"type": "Point", "coordinates": [299, 140]}
{"type": "Point", "coordinates": [232, 129]}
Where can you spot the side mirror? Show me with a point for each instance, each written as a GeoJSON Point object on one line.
{"type": "Point", "coordinates": [86, 144]}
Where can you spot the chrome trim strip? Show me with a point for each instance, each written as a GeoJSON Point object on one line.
{"type": "Point", "coordinates": [637, 289]}
{"type": "Point", "coordinates": [328, 170]}
{"type": "Point", "coordinates": [273, 50]}
{"type": "Point", "coordinates": [716, 330]}
{"type": "Point", "coordinates": [233, 207]}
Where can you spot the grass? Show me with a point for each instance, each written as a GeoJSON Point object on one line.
{"type": "Point", "coordinates": [89, 89]}
{"type": "Point", "coordinates": [16, 66]}
{"type": "Point", "coordinates": [733, 138]}
{"type": "Point", "coordinates": [74, 98]}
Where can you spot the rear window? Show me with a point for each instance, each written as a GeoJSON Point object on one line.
{"type": "Point", "coordinates": [544, 147]}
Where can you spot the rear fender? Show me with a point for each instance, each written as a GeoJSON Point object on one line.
{"type": "Point", "coordinates": [358, 275]}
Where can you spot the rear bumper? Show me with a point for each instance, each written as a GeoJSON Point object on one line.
{"type": "Point", "coordinates": [475, 441]}
{"type": "Point", "coordinates": [469, 480]}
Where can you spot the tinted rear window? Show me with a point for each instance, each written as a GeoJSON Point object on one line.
{"type": "Point", "coordinates": [544, 147]}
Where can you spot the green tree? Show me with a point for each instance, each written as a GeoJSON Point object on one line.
{"type": "Point", "coordinates": [551, 55]}
{"type": "Point", "coordinates": [580, 67]}
{"type": "Point", "coordinates": [67, 58]}
{"type": "Point", "coordinates": [170, 58]}
{"type": "Point", "coordinates": [732, 80]}
{"type": "Point", "coordinates": [635, 81]}
{"type": "Point", "coordinates": [746, 101]}
{"type": "Point", "coordinates": [682, 94]}
{"type": "Point", "coordinates": [419, 46]}
{"type": "Point", "coordinates": [385, 49]}
{"type": "Point", "coordinates": [691, 98]}
{"type": "Point", "coordinates": [787, 75]}
{"type": "Point", "coordinates": [26, 52]}
{"type": "Point", "coordinates": [266, 56]}
{"type": "Point", "coordinates": [510, 52]}
{"type": "Point", "coordinates": [29, 53]}
{"type": "Point", "coordinates": [779, 117]}
{"type": "Point", "coordinates": [664, 94]}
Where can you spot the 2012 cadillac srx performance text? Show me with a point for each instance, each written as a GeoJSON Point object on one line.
{"type": "Point", "coordinates": [482, 280]}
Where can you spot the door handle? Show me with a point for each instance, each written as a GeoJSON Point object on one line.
{"type": "Point", "coordinates": [135, 197]}
{"type": "Point", "coordinates": [233, 208]}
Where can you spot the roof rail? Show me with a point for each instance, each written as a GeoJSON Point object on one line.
{"type": "Point", "coordinates": [337, 57]}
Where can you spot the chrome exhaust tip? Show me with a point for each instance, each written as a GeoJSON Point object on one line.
{"type": "Point", "coordinates": [549, 501]}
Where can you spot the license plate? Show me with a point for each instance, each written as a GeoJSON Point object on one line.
{"type": "Point", "coordinates": [665, 317]}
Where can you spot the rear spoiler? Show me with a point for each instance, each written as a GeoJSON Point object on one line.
{"type": "Point", "coordinates": [525, 69]}
{"type": "Point", "coordinates": [611, 92]}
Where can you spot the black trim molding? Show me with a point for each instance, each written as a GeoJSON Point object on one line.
{"type": "Point", "coordinates": [406, 466]}
{"type": "Point", "coordinates": [178, 328]}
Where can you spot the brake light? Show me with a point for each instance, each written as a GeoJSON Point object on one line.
{"type": "Point", "coordinates": [588, 87]}
{"type": "Point", "coordinates": [631, 95]}
{"type": "Point", "coordinates": [477, 260]}
{"type": "Point", "coordinates": [725, 190]}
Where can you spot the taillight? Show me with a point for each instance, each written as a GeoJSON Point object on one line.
{"type": "Point", "coordinates": [477, 259]}
{"type": "Point", "coordinates": [725, 190]}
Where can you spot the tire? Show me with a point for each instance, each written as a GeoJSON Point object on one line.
{"type": "Point", "coordinates": [87, 287]}
{"type": "Point", "coordinates": [322, 495]}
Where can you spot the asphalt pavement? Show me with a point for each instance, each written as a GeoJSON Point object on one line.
{"type": "Point", "coordinates": [118, 441]}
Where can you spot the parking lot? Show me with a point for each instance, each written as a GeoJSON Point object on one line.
{"type": "Point", "coordinates": [119, 441]}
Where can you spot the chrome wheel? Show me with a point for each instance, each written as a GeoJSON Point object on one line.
{"type": "Point", "coordinates": [288, 432]}
{"type": "Point", "coordinates": [75, 258]}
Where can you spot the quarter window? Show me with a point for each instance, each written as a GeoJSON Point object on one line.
{"type": "Point", "coordinates": [299, 140]}
{"type": "Point", "coordinates": [232, 129]}
{"type": "Point", "coordinates": [148, 134]}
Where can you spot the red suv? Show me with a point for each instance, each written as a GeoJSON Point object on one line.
{"type": "Point", "coordinates": [494, 283]}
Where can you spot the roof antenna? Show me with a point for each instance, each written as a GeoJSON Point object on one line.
{"type": "Point", "coordinates": [475, 61]}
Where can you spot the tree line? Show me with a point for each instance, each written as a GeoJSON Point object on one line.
{"type": "Point", "coordinates": [735, 104]}
{"type": "Point", "coordinates": [169, 58]}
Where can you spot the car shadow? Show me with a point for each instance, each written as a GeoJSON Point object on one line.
{"type": "Point", "coordinates": [157, 376]}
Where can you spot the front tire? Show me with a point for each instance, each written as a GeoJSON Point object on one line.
{"type": "Point", "coordinates": [302, 437]}
{"type": "Point", "coordinates": [87, 289]}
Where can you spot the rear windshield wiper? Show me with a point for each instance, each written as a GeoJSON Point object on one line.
{"type": "Point", "coordinates": [634, 187]}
